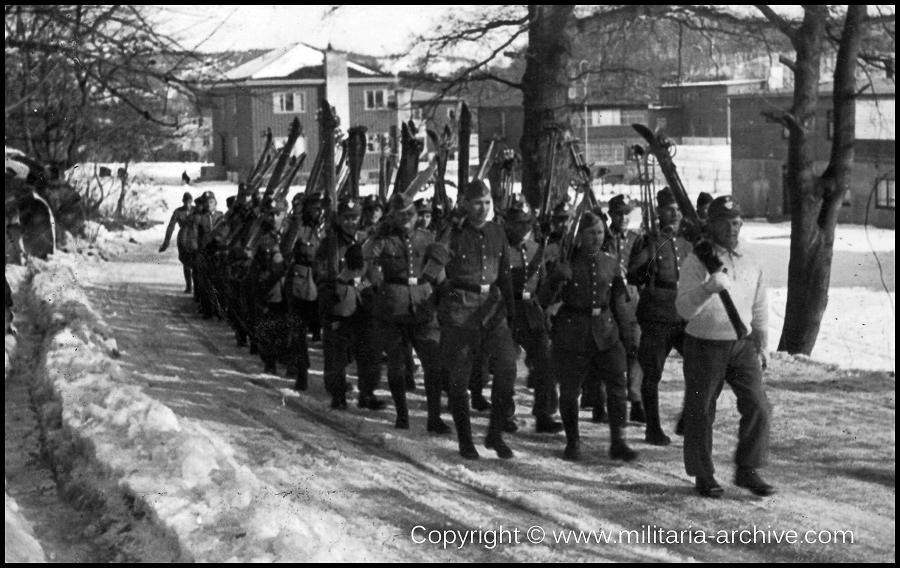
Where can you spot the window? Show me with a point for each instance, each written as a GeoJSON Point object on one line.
{"type": "Point", "coordinates": [289, 102]}
{"type": "Point", "coordinates": [376, 100]}
{"type": "Point", "coordinates": [234, 146]}
{"type": "Point", "coordinates": [416, 114]}
{"type": "Point", "coordinates": [606, 117]}
{"type": "Point", "coordinates": [606, 154]}
{"type": "Point", "coordinates": [829, 122]}
{"type": "Point", "coordinates": [451, 113]}
{"type": "Point", "coordinates": [884, 194]}
{"type": "Point", "coordinates": [630, 117]}
{"type": "Point", "coordinates": [375, 140]}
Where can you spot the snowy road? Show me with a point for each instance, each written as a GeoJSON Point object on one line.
{"type": "Point", "coordinates": [350, 487]}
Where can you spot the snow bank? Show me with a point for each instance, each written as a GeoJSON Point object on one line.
{"type": "Point", "coordinates": [173, 470]}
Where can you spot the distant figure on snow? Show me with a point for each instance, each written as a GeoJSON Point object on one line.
{"type": "Point", "coordinates": [185, 179]}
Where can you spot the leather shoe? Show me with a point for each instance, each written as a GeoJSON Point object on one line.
{"type": "Point", "coordinates": [302, 382]}
{"type": "Point", "coordinates": [572, 451]}
{"type": "Point", "coordinates": [621, 451]}
{"type": "Point", "coordinates": [657, 438]}
{"type": "Point", "coordinates": [497, 444]}
{"type": "Point", "coordinates": [546, 425]}
{"type": "Point", "coordinates": [439, 427]}
{"type": "Point", "coordinates": [469, 452]}
{"type": "Point", "coordinates": [679, 426]}
{"type": "Point", "coordinates": [339, 404]}
{"type": "Point", "coordinates": [402, 423]}
{"type": "Point", "coordinates": [510, 427]}
{"type": "Point", "coordinates": [599, 416]}
{"type": "Point", "coordinates": [708, 487]}
{"type": "Point", "coordinates": [637, 413]}
{"type": "Point", "coordinates": [370, 402]}
{"type": "Point", "coordinates": [748, 479]}
{"type": "Point", "coordinates": [480, 403]}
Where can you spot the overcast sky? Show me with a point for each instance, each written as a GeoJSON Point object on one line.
{"type": "Point", "coordinates": [372, 30]}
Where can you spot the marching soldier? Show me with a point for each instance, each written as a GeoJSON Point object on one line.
{"type": "Point", "coordinates": [405, 310]}
{"type": "Point", "coordinates": [373, 208]}
{"type": "Point", "coordinates": [180, 217]}
{"type": "Point", "coordinates": [619, 245]}
{"type": "Point", "coordinates": [345, 301]}
{"type": "Point", "coordinates": [304, 236]}
{"type": "Point", "coordinates": [423, 213]}
{"type": "Point", "coordinates": [656, 266]}
{"type": "Point", "coordinates": [267, 271]}
{"type": "Point", "coordinates": [475, 302]}
{"type": "Point", "coordinates": [585, 336]}
{"type": "Point", "coordinates": [530, 327]}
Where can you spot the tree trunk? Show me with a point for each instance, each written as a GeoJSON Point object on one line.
{"type": "Point", "coordinates": [120, 204]}
{"type": "Point", "coordinates": [816, 201]}
{"type": "Point", "coordinates": [545, 92]}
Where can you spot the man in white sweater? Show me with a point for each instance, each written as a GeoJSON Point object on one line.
{"type": "Point", "coordinates": [715, 355]}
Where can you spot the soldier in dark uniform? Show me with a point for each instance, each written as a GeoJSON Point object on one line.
{"type": "Point", "coordinates": [585, 337]}
{"type": "Point", "coordinates": [619, 245]}
{"type": "Point", "coordinates": [475, 302]}
{"type": "Point", "coordinates": [180, 218]}
{"type": "Point", "coordinates": [530, 327]}
{"type": "Point", "coordinates": [423, 214]}
{"type": "Point", "coordinates": [345, 301]}
{"type": "Point", "coordinates": [405, 310]}
{"type": "Point", "coordinates": [373, 208]}
{"type": "Point", "coordinates": [267, 271]}
{"type": "Point", "coordinates": [302, 239]}
{"type": "Point", "coordinates": [207, 220]}
{"type": "Point", "coordinates": [656, 265]}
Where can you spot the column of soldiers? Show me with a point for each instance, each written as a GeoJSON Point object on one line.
{"type": "Point", "coordinates": [595, 312]}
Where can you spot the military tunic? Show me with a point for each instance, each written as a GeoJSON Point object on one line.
{"type": "Point", "coordinates": [267, 272]}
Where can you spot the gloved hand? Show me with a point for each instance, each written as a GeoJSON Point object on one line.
{"type": "Point", "coordinates": [562, 271]}
{"type": "Point", "coordinates": [717, 282]}
{"type": "Point", "coordinates": [163, 247]}
{"type": "Point", "coordinates": [438, 253]}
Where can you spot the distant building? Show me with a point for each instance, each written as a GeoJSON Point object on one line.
{"type": "Point", "coordinates": [269, 91]}
{"type": "Point", "coordinates": [759, 154]}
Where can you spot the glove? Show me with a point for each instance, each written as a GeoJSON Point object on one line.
{"type": "Point", "coordinates": [562, 271]}
{"type": "Point", "coordinates": [717, 282]}
{"type": "Point", "coordinates": [438, 253]}
{"type": "Point", "coordinates": [163, 248]}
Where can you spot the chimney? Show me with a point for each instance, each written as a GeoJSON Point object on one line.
{"type": "Point", "coordinates": [337, 85]}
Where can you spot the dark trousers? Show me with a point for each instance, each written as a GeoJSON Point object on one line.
{"type": "Point", "coordinates": [272, 332]}
{"type": "Point", "coordinates": [536, 343]}
{"type": "Point", "coordinates": [458, 346]}
{"type": "Point", "coordinates": [573, 368]}
{"type": "Point", "coordinates": [657, 341]}
{"type": "Point", "coordinates": [298, 322]}
{"type": "Point", "coordinates": [396, 341]}
{"type": "Point", "coordinates": [354, 337]}
{"type": "Point", "coordinates": [708, 365]}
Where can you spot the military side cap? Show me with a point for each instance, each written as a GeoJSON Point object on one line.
{"type": "Point", "coordinates": [704, 199]}
{"type": "Point", "coordinates": [476, 189]}
{"type": "Point", "coordinates": [423, 205]}
{"type": "Point", "coordinates": [315, 197]}
{"type": "Point", "coordinates": [590, 220]}
{"type": "Point", "coordinates": [278, 206]}
{"type": "Point", "coordinates": [620, 204]}
{"type": "Point", "coordinates": [665, 198]}
{"type": "Point", "coordinates": [187, 196]}
{"type": "Point", "coordinates": [519, 211]}
{"type": "Point", "coordinates": [297, 199]}
{"type": "Point", "coordinates": [723, 208]}
{"type": "Point", "coordinates": [400, 202]}
{"type": "Point", "coordinates": [373, 202]}
{"type": "Point", "coordinates": [562, 210]}
{"type": "Point", "coordinates": [209, 195]}
{"type": "Point", "coordinates": [348, 207]}
{"type": "Point", "coordinates": [230, 201]}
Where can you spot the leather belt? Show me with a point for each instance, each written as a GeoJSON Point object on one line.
{"type": "Point", "coordinates": [584, 311]}
{"type": "Point", "coordinates": [406, 281]}
{"type": "Point", "coordinates": [476, 288]}
{"type": "Point", "coordinates": [666, 285]}
{"type": "Point", "coordinates": [524, 295]}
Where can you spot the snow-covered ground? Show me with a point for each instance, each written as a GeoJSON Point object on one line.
{"type": "Point", "coordinates": [858, 326]}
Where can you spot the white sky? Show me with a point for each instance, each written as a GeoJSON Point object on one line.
{"type": "Point", "coordinates": [372, 30]}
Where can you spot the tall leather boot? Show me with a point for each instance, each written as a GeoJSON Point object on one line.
{"type": "Point", "coordinates": [654, 434]}
{"type": "Point", "coordinates": [433, 398]}
{"type": "Point", "coordinates": [494, 440]}
{"type": "Point", "coordinates": [398, 393]}
{"type": "Point", "coordinates": [569, 415]}
{"type": "Point", "coordinates": [459, 407]}
{"type": "Point", "coordinates": [618, 449]}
